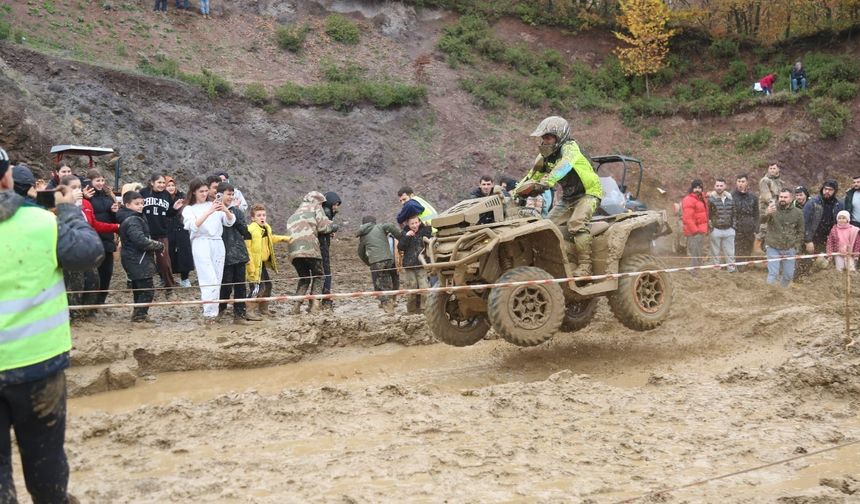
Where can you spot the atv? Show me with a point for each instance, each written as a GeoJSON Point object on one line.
{"type": "Point", "coordinates": [519, 247]}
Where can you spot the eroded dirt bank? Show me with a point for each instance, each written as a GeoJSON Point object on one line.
{"type": "Point", "coordinates": [365, 411]}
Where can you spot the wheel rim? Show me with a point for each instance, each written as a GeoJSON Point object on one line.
{"type": "Point", "coordinates": [455, 318]}
{"type": "Point", "coordinates": [529, 306]}
{"type": "Point", "coordinates": [649, 292]}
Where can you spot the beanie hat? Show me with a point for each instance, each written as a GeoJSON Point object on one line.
{"type": "Point", "coordinates": [844, 213]}
{"type": "Point", "coordinates": [21, 174]}
{"type": "Point", "coordinates": [696, 183]}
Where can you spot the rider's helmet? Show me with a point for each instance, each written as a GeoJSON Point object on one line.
{"type": "Point", "coordinates": [553, 125]}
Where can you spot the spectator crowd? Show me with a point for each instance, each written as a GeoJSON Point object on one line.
{"type": "Point", "coordinates": [787, 222]}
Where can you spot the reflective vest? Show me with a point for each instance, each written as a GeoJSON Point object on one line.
{"type": "Point", "coordinates": [428, 213]}
{"type": "Point", "coordinates": [34, 314]}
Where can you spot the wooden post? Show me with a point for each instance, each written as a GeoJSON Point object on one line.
{"type": "Point", "coordinates": [846, 274]}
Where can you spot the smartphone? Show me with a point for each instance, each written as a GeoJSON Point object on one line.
{"type": "Point", "coordinates": [45, 199]}
{"type": "Point", "coordinates": [118, 199]}
{"type": "Point", "coordinates": [219, 196]}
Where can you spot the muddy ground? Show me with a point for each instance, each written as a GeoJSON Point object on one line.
{"type": "Point", "coordinates": [356, 406]}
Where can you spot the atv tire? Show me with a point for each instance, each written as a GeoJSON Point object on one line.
{"type": "Point", "coordinates": [578, 314]}
{"type": "Point", "coordinates": [443, 317]}
{"type": "Point", "coordinates": [526, 315]}
{"type": "Point", "coordinates": [642, 302]}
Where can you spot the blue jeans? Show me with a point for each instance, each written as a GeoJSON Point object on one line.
{"type": "Point", "coordinates": [798, 84]}
{"type": "Point", "coordinates": [773, 267]}
{"type": "Point", "coordinates": [204, 7]}
{"type": "Point", "coordinates": [161, 5]}
{"type": "Point", "coordinates": [183, 5]}
{"type": "Point", "coordinates": [37, 412]}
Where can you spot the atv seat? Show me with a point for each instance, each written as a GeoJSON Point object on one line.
{"type": "Point", "coordinates": [598, 227]}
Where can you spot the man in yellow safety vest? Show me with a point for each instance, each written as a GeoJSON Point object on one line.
{"type": "Point", "coordinates": [35, 338]}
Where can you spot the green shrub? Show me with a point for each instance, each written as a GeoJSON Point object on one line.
{"type": "Point", "coordinates": [843, 91]}
{"type": "Point", "coordinates": [349, 72]}
{"type": "Point", "coordinates": [387, 95]}
{"type": "Point", "coordinates": [683, 92]}
{"type": "Point", "coordinates": [5, 29]}
{"type": "Point", "coordinates": [256, 93]}
{"type": "Point", "coordinates": [341, 29]}
{"type": "Point", "coordinates": [469, 33]}
{"type": "Point", "coordinates": [291, 38]}
{"type": "Point", "coordinates": [289, 94]}
{"type": "Point", "coordinates": [737, 76]}
{"type": "Point", "coordinates": [484, 96]}
{"type": "Point", "coordinates": [651, 132]}
{"type": "Point", "coordinates": [824, 70]}
{"type": "Point", "coordinates": [832, 116]}
{"type": "Point", "coordinates": [213, 84]}
{"type": "Point", "coordinates": [702, 87]}
{"type": "Point", "coordinates": [611, 78]}
{"type": "Point", "coordinates": [757, 140]}
{"type": "Point", "coordinates": [724, 48]}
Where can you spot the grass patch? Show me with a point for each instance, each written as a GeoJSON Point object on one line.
{"type": "Point", "coordinates": [213, 84]}
{"type": "Point", "coordinates": [755, 141]}
{"type": "Point", "coordinates": [291, 38]}
{"type": "Point", "coordinates": [341, 29]}
{"type": "Point", "coordinates": [256, 93]}
{"type": "Point", "coordinates": [831, 115]}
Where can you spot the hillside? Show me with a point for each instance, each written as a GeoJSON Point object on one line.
{"type": "Point", "coordinates": [72, 75]}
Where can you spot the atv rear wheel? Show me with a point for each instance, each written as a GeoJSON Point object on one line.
{"type": "Point", "coordinates": [642, 301]}
{"type": "Point", "coordinates": [578, 314]}
{"type": "Point", "coordinates": [526, 315]}
{"type": "Point", "coordinates": [448, 325]}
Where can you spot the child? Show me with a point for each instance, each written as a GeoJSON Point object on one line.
{"type": "Point", "coordinates": [412, 246]}
{"type": "Point", "coordinates": [261, 249]}
{"type": "Point", "coordinates": [304, 226]}
{"type": "Point", "coordinates": [843, 239]}
{"type": "Point", "coordinates": [375, 251]}
{"type": "Point", "coordinates": [138, 251]}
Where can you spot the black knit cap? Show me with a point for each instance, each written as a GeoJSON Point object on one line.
{"type": "Point", "coordinates": [831, 184]}
{"type": "Point", "coordinates": [696, 183]}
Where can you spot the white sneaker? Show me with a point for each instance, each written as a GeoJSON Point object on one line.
{"type": "Point", "coordinates": [185, 283]}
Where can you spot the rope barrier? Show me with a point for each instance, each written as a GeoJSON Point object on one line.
{"type": "Point", "coordinates": [752, 260]}
{"type": "Point", "coordinates": [736, 473]}
{"type": "Point", "coordinates": [446, 289]}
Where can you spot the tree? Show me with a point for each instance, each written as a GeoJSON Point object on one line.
{"type": "Point", "coordinates": [648, 40]}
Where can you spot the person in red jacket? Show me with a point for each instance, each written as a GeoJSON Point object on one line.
{"type": "Point", "coordinates": [766, 83]}
{"type": "Point", "coordinates": [694, 216]}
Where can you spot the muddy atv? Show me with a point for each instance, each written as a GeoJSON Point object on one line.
{"type": "Point", "coordinates": [517, 248]}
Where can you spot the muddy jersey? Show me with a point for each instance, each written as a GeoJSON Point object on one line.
{"type": "Point", "coordinates": [569, 167]}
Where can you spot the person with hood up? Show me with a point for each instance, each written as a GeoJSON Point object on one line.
{"type": "Point", "coordinates": [35, 336]}
{"type": "Point", "coordinates": [138, 252]}
{"type": "Point", "coordinates": [374, 250]}
{"type": "Point", "coordinates": [304, 227]}
{"type": "Point", "coordinates": [413, 205]}
{"type": "Point", "coordinates": [331, 207]}
{"type": "Point", "coordinates": [25, 183]}
{"type": "Point", "coordinates": [844, 239]}
{"type": "Point", "coordinates": [694, 216]}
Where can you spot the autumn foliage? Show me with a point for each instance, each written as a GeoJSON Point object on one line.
{"type": "Point", "coordinates": [648, 39]}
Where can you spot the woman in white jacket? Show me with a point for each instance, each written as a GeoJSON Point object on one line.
{"type": "Point", "coordinates": [205, 221]}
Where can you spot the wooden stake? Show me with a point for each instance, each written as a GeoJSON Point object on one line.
{"type": "Point", "coordinates": [850, 341]}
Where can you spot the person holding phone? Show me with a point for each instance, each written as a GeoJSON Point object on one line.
{"type": "Point", "coordinates": [205, 221]}
{"type": "Point", "coordinates": [104, 207]}
{"type": "Point", "coordinates": [178, 239]}
{"type": "Point", "coordinates": [158, 207]}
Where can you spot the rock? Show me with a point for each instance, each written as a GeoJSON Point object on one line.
{"type": "Point", "coordinates": [56, 88]}
{"type": "Point", "coordinates": [77, 127]}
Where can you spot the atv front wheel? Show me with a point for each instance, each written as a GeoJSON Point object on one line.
{"type": "Point", "coordinates": [448, 325]}
{"type": "Point", "coordinates": [526, 315]}
{"type": "Point", "coordinates": [642, 301]}
{"type": "Point", "coordinates": [578, 314]}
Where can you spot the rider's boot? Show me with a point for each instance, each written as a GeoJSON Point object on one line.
{"type": "Point", "coordinates": [582, 245]}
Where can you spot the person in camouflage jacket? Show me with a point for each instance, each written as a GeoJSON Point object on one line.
{"type": "Point", "coordinates": [304, 226]}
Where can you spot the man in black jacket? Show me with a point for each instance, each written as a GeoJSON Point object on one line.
{"type": "Point", "coordinates": [746, 217]}
{"type": "Point", "coordinates": [484, 189]}
{"type": "Point", "coordinates": [235, 259]}
{"type": "Point", "coordinates": [138, 252]}
{"type": "Point", "coordinates": [331, 206]}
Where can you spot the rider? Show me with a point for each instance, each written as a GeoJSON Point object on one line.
{"type": "Point", "coordinates": [561, 161]}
